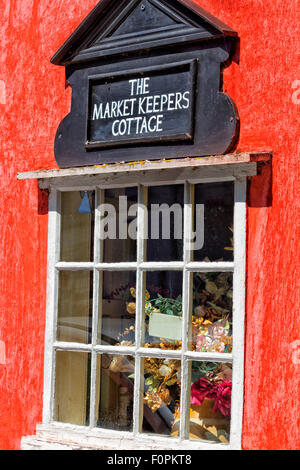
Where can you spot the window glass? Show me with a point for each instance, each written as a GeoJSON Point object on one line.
{"type": "Point", "coordinates": [117, 308]}
{"type": "Point", "coordinates": [75, 303]}
{"type": "Point", "coordinates": [163, 310]}
{"type": "Point", "coordinates": [72, 387]}
{"type": "Point", "coordinates": [162, 378]}
{"type": "Point", "coordinates": [115, 390]}
{"type": "Point", "coordinates": [212, 312]}
{"type": "Point", "coordinates": [77, 225]}
{"type": "Point", "coordinates": [168, 292]}
{"type": "Point", "coordinates": [210, 401]}
{"type": "Point", "coordinates": [119, 214]}
{"type": "Point", "coordinates": [213, 221]}
{"type": "Point", "coordinates": [165, 223]}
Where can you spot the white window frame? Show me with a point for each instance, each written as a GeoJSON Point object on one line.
{"type": "Point", "coordinates": [189, 176]}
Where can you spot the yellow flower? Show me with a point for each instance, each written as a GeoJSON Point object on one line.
{"type": "Point", "coordinates": [164, 395]}
{"type": "Point", "coordinates": [133, 292]}
{"type": "Point", "coordinates": [153, 401]}
{"type": "Point", "coordinates": [131, 308]}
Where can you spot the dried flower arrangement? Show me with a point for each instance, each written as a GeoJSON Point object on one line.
{"type": "Point", "coordinates": [211, 332]}
{"type": "Point", "coordinates": [163, 383]}
{"type": "Point", "coordinates": [212, 319]}
{"type": "Point", "coordinates": [215, 383]}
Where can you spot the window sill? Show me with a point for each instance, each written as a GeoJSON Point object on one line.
{"type": "Point", "coordinates": [229, 167]}
{"type": "Point", "coordinates": [59, 436]}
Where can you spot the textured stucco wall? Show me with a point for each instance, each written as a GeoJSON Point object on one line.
{"type": "Point", "coordinates": [32, 103]}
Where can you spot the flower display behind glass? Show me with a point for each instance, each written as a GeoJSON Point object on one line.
{"type": "Point", "coordinates": [210, 409]}
{"type": "Point", "coordinates": [212, 312]}
{"type": "Point", "coordinates": [162, 394]}
{"type": "Point", "coordinates": [211, 383]}
{"type": "Point", "coordinates": [220, 392]}
{"type": "Point", "coordinates": [159, 320]}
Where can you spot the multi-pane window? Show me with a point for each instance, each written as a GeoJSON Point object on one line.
{"type": "Point", "coordinates": [147, 296]}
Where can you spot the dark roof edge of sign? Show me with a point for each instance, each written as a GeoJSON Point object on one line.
{"type": "Point", "coordinates": [59, 58]}
{"type": "Point", "coordinates": [212, 20]}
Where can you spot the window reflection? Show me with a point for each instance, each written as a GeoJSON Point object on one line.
{"type": "Point", "coordinates": [217, 202]}
{"type": "Point", "coordinates": [165, 223]}
{"type": "Point", "coordinates": [115, 390]}
{"type": "Point", "coordinates": [119, 225]}
{"type": "Point", "coordinates": [77, 229]}
{"type": "Point", "coordinates": [72, 387]}
{"type": "Point", "coordinates": [75, 303]}
{"type": "Point", "coordinates": [117, 308]}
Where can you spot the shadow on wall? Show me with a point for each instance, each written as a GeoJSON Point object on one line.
{"type": "Point", "coordinates": [43, 197]}
{"type": "Point", "coordinates": [260, 187]}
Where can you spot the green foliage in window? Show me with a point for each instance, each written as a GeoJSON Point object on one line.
{"type": "Point", "coordinates": [167, 306]}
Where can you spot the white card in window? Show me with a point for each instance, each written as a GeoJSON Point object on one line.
{"type": "Point", "coordinates": [165, 326]}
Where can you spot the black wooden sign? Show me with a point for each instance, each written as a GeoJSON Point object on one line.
{"type": "Point", "coordinates": [146, 78]}
{"type": "Point", "coordinates": [147, 105]}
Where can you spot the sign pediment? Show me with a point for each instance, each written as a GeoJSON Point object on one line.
{"type": "Point", "coordinates": [124, 26]}
{"type": "Point", "coordinates": [145, 16]}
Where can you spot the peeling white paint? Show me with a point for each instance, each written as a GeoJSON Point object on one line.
{"type": "Point", "coordinates": [58, 436]}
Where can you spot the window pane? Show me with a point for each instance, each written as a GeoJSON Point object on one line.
{"type": "Point", "coordinates": [162, 379]}
{"type": "Point", "coordinates": [165, 223]}
{"type": "Point", "coordinates": [77, 228]}
{"type": "Point", "coordinates": [213, 221]}
{"type": "Point", "coordinates": [117, 308]}
{"type": "Point", "coordinates": [75, 303]}
{"type": "Point", "coordinates": [212, 312]}
{"type": "Point", "coordinates": [119, 218]}
{"type": "Point", "coordinates": [72, 387]}
{"type": "Point", "coordinates": [210, 402]}
{"type": "Point", "coordinates": [163, 310]}
{"type": "Point", "coordinates": [115, 390]}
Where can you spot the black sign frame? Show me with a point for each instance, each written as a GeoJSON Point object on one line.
{"type": "Point", "coordinates": [122, 37]}
{"type": "Point", "coordinates": [189, 66]}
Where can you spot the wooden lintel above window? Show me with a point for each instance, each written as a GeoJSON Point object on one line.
{"type": "Point", "coordinates": [221, 166]}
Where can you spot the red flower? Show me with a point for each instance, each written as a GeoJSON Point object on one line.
{"type": "Point", "coordinates": [220, 392]}
{"type": "Point", "coordinates": [200, 390]}
{"type": "Point", "coordinates": [223, 398]}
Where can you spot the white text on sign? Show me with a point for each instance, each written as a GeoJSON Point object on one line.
{"type": "Point", "coordinates": [142, 114]}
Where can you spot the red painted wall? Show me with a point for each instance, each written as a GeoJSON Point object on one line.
{"type": "Point", "coordinates": [32, 103]}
